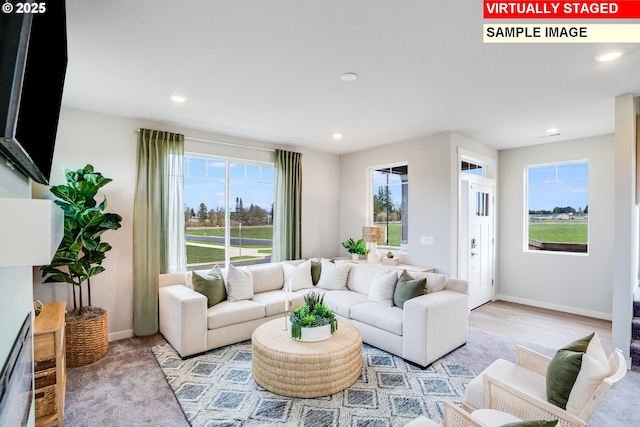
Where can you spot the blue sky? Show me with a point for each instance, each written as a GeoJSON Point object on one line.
{"type": "Point", "coordinates": [204, 183]}
{"type": "Point", "coordinates": [558, 185]}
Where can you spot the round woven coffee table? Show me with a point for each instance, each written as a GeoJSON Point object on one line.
{"type": "Point", "coordinates": [305, 369]}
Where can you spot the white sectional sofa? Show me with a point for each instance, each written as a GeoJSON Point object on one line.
{"type": "Point", "coordinates": [426, 328]}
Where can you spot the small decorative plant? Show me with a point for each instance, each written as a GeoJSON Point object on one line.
{"type": "Point", "coordinates": [390, 255]}
{"type": "Point", "coordinates": [311, 314]}
{"type": "Point", "coordinates": [353, 247]}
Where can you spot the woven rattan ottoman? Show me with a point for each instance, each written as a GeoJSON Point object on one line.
{"type": "Point", "coordinates": [305, 369]}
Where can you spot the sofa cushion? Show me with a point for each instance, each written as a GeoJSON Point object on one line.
{"type": "Point", "coordinates": [383, 287]}
{"type": "Point", "coordinates": [239, 284]}
{"type": "Point", "coordinates": [360, 278]}
{"type": "Point", "coordinates": [493, 417]}
{"type": "Point", "coordinates": [273, 301]}
{"type": "Point", "coordinates": [575, 372]}
{"type": "Point", "coordinates": [340, 302]}
{"type": "Point", "coordinates": [230, 313]}
{"type": "Point", "coordinates": [333, 275]}
{"type": "Point", "coordinates": [268, 277]}
{"type": "Point", "coordinates": [382, 317]}
{"type": "Point", "coordinates": [211, 285]}
{"type": "Point", "coordinates": [521, 378]}
{"type": "Point", "coordinates": [297, 277]}
{"type": "Point", "coordinates": [407, 287]}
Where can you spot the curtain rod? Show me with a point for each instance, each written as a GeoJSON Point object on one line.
{"type": "Point", "coordinates": [210, 141]}
{"type": "Point", "coordinates": [231, 144]}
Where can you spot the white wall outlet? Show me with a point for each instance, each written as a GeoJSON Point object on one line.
{"type": "Point", "coordinates": [426, 240]}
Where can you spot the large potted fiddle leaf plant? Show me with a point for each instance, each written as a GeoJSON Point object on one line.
{"type": "Point", "coordinates": [79, 258]}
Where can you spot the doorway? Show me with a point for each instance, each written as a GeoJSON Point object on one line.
{"type": "Point", "coordinates": [476, 239]}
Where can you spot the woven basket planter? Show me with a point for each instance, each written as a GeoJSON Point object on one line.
{"type": "Point", "coordinates": [87, 340]}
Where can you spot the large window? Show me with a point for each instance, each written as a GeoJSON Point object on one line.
{"type": "Point", "coordinates": [228, 211]}
{"type": "Point", "coordinates": [390, 203]}
{"type": "Point", "coordinates": [558, 207]}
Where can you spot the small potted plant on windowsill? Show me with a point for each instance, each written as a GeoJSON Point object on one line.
{"type": "Point", "coordinates": [355, 248]}
{"type": "Point", "coordinates": [312, 321]}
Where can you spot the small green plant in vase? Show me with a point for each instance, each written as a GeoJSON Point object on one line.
{"type": "Point", "coordinates": [355, 248]}
{"type": "Point", "coordinates": [312, 314]}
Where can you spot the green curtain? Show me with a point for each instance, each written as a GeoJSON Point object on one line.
{"type": "Point", "coordinates": [158, 222]}
{"type": "Point", "coordinates": [287, 206]}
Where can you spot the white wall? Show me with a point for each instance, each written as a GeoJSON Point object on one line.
{"type": "Point", "coordinates": [109, 143]}
{"type": "Point", "coordinates": [625, 235]}
{"type": "Point", "coordinates": [433, 174]}
{"type": "Point", "coordinates": [573, 283]}
{"type": "Point", "coordinates": [16, 283]}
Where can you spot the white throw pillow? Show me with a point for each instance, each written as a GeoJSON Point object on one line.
{"type": "Point", "coordinates": [239, 284]}
{"type": "Point", "coordinates": [267, 277]}
{"type": "Point", "coordinates": [383, 287]}
{"type": "Point", "coordinates": [333, 275]}
{"type": "Point", "coordinates": [297, 277]}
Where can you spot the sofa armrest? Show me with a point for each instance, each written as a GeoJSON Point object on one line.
{"type": "Point", "coordinates": [183, 319]}
{"type": "Point", "coordinates": [457, 285]}
{"type": "Point", "coordinates": [168, 279]}
{"type": "Point", "coordinates": [433, 325]}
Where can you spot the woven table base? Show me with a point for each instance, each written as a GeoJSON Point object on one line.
{"type": "Point", "coordinates": [305, 369]}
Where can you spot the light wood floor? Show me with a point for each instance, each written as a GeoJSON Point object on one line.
{"type": "Point", "coordinates": [549, 328]}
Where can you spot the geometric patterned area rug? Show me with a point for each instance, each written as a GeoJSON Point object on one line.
{"type": "Point", "coordinates": [217, 389]}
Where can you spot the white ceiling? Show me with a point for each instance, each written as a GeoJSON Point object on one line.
{"type": "Point", "coordinates": [270, 70]}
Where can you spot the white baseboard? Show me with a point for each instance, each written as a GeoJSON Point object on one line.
{"type": "Point", "coordinates": [121, 335]}
{"type": "Point", "coordinates": [556, 307]}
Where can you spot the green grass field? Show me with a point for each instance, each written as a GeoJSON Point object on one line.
{"type": "Point", "coordinates": [559, 232]}
{"type": "Point", "coordinates": [248, 232]}
{"type": "Point", "coordinates": [214, 252]}
{"type": "Point", "coordinates": [201, 255]}
{"type": "Point", "coordinates": [394, 233]}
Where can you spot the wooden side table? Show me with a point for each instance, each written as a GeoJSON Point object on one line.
{"type": "Point", "coordinates": [49, 365]}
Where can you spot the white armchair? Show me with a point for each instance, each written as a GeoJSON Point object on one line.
{"type": "Point", "coordinates": [520, 389]}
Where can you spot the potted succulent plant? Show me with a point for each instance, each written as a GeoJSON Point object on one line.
{"type": "Point", "coordinates": [355, 248]}
{"type": "Point", "coordinates": [312, 321]}
{"type": "Point", "coordinates": [79, 258]}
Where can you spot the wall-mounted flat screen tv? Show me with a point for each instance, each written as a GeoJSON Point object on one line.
{"type": "Point", "coordinates": [33, 63]}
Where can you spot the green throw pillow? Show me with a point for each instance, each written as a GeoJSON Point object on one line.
{"type": "Point", "coordinates": [563, 371]}
{"type": "Point", "coordinates": [316, 269]}
{"type": "Point", "coordinates": [532, 423]}
{"type": "Point", "coordinates": [407, 287]}
{"type": "Point", "coordinates": [210, 285]}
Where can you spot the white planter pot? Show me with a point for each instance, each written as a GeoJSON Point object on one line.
{"type": "Point", "coordinates": [355, 257]}
{"type": "Point", "coordinates": [319, 333]}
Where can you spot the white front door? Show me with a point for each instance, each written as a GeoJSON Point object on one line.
{"type": "Point", "coordinates": [476, 245]}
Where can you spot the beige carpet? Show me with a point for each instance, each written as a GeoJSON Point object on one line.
{"type": "Point", "coordinates": [127, 387]}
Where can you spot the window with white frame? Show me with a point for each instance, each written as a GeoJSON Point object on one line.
{"type": "Point", "coordinates": [390, 185]}
{"type": "Point", "coordinates": [472, 168]}
{"type": "Point", "coordinates": [228, 211]}
{"type": "Point", "coordinates": [557, 213]}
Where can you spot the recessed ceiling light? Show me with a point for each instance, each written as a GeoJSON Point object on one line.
{"type": "Point", "coordinates": [337, 136]}
{"type": "Point", "coordinates": [552, 130]}
{"type": "Point", "coordinates": [610, 55]}
{"type": "Point", "coordinates": [178, 98]}
{"type": "Point", "coordinates": [349, 77]}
